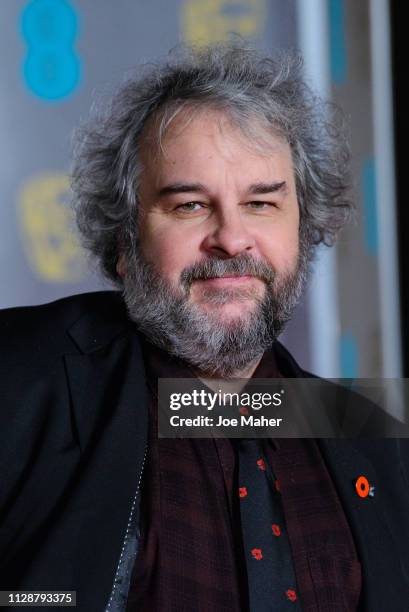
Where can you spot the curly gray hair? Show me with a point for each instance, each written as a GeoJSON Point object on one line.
{"type": "Point", "coordinates": [252, 89]}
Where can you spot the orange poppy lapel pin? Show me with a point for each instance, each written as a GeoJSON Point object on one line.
{"type": "Point", "coordinates": [363, 487]}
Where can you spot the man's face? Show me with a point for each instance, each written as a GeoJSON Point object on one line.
{"type": "Point", "coordinates": [208, 195]}
{"type": "Point", "coordinates": [218, 268]}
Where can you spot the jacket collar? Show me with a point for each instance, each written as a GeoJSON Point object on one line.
{"type": "Point", "coordinates": [99, 326]}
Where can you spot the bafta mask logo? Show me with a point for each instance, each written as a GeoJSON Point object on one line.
{"type": "Point", "coordinates": [210, 21]}
{"type": "Point", "coordinates": [47, 232]}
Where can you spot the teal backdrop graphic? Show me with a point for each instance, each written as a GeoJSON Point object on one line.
{"type": "Point", "coordinates": [52, 68]}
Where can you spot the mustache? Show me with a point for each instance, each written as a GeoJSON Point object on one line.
{"type": "Point", "coordinates": [242, 265]}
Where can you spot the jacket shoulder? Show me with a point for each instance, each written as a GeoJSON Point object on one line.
{"type": "Point", "coordinates": [352, 413]}
{"type": "Point", "coordinates": [29, 331]}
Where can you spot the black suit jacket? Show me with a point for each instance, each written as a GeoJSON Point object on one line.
{"type": "Point", "coordinates": [73, 428]}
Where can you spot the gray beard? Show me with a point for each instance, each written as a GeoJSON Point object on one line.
{"type": "Point", "coordinates": [168, 318]}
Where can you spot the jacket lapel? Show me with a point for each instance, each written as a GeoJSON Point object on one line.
{"type": "Point", "coordinates": [379, 524]}
{"type": "Point", "coordinates": [374, 521]}
{"type": "Point", "coordinates": [109, 403]}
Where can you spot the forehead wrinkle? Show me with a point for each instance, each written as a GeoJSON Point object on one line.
{"type": "Point", "coordinates": [252, 134]}
{"type": "Point", "coordinates": [155, 132]}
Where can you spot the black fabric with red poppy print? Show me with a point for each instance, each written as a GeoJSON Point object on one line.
{"type": "Point", "coordinates": [270, 571]}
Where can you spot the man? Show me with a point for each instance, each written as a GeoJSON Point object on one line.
{"type": "Point", "coordinates": [202, 192]}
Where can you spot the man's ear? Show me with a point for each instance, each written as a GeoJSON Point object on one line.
{"type": "Point", "coordinates": [121, 266]}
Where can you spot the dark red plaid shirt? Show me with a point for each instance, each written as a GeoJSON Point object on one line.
{"type": "Point", "coordinates": [191, 556]}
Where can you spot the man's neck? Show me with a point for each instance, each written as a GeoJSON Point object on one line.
{"type": "Point", "coordinates": [233, 384]}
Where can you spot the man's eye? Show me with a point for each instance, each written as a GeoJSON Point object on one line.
{"type": "Point", "coordinates": [260, 205]}
{"type": "Point", "coordinates": [189, 207]}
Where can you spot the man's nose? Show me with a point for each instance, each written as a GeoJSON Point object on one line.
{"type": "Point", "coordinates": [229, 237]}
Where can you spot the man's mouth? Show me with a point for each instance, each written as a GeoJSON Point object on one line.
{"type": "Point", "coordinates": [228, 280]}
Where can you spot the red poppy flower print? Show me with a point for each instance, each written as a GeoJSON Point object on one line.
{"type": "Point", "coordinates": [257, 553]}
{"type": "Point", "coordinates": [291, 594]}
{"type": "Point", "coordinates": [261, 464]}
{"type": "Point", "coordinates": [276, 529]}
{"type": "Point", "coordinates": [243, 410]}
{"type": "Point", "coordinates": [242, 491]}
{"type": "Point", "coordinates": [277, 485]}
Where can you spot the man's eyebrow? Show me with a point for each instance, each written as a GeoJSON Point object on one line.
{"type": "Point", "coordinates": [254, 189]}
{"type": "Point", "coordinates": [263, 188]}
{"type": "Point", "coordinates": [181, 188]}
